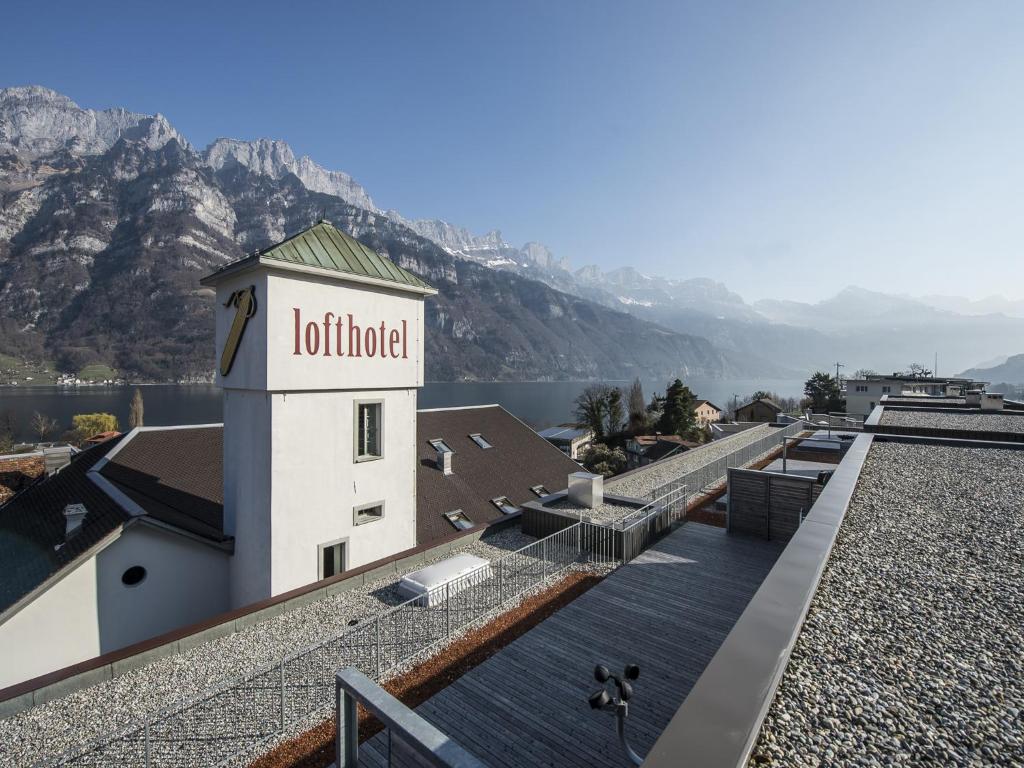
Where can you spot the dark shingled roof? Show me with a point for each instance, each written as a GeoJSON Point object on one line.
{"type": "Point", "coordinates": [519, 460]}
{"type": "Point", "coordinates": [32, 524]}
{"type": "Point", "coordinates": [173, 474]}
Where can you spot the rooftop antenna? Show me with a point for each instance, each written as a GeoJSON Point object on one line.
{"type": "Point", "coordinates": [839, 382]}
{"type": "Point", "coordinates": [617, 702]}
{"type": "Point", "coordinates": [323, 216]}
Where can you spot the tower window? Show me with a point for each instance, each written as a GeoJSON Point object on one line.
{"type": "Point", "coordinates": [331, 558]}
{"type": "Point", "coordinates": [367, 513]}
{"type": "Point", "coordinates": [369, 428]}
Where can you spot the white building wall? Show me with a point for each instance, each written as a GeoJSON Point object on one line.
{"type": "Point", "coordinates": [186, 581]}
{"type": "Point", "coordinates": [90, 611]}
{"type": "Point", "coordinates": [289, 425]}
{"type": "Point", "coordinates": [318, 483]}
{"type": "Point", "coordinates": [60, 627]}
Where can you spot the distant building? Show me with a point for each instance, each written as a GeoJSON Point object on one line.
{"type": "Point", "coordinates": [101, 437]}
{"type": "Point", "coordinates": [646, 449]}
{"type": "Point", "coordinates": [722, 429]}
{"type": "Point", "coordinates": [762, 409]}
{"type": "Point", "coordinates": [569, 439]}
{"type": "Point", "coordinates": [706, 412]}
{"type": "Point", "coordinates": [862, 395]}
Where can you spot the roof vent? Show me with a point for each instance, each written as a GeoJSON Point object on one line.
{"type": "Point", "coordinates": [74, 514]}
{"type": "Point", "coordinates": [444, 461]}
{"type": "Point", "coordinates": [586, 490]}
{"type": "Point", "coordinates": [991, 401]}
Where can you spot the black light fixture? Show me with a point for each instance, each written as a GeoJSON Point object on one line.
{"type": "Point", "coordinates": [617, 703]}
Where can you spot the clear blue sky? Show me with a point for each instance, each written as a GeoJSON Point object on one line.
{"type": "Point", "coordinates": [786, 148]}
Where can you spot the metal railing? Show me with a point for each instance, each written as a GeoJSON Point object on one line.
{"type": "Point", "coordinates": [657, 520]}
{"type": "Point", "coordinates": [849, 422]}
{"type": "Point", "coordinates": [406, 731]}
{"type": "Point", "coordinates": [714, 471]}
{"type": "Point", "coordinates": [243, 715]}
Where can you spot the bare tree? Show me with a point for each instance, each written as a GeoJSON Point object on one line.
{"type": "Point", "coordinates": [43, 425]}
{"type": "Point", "coordinates": [135, 412]}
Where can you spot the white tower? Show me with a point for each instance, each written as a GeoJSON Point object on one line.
{"type": "Point", "coordinates": [321, 355]}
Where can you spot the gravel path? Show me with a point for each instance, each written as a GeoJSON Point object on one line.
{"type": "Point", "coordinates": [608, 512]}
{"type": "Point", "coordinates": [981, 422]}
{"type": "Point", "coordinates": [49, 730]}
{"type": "Point", "coordinates": [641, 482]}
{"type": "Point", "coordinates": [913, 649]}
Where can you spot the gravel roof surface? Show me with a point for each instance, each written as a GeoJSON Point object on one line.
{"type": "Point", "coordinates": [981, 422]}
{"type": "Point", "coordinates": [52, 728]}
{"type": "Point", "coordinates": [913, 649]}
{"type": "Point", "coordinates": [608, 512]}
{"type": "Point", "coordinates": [641, 482]}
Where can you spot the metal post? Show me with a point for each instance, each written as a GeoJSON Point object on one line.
{"type": "Point", "coordinates": [346, 739]}
{"type": "Point", "coordinates": [282, 695]}
{"type": "Point", "coordinates": [147, 743]}
{"type": "Point", "coordinates": [447, 610]}
{"type": "Point", "coordinates": [376, 644]}
{"type": "Point", "coordinates": [544, 556]}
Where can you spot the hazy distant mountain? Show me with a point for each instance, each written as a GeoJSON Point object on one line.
{"type": "Point", "coordinates": [1011, 372]}
{"type": "Point", "coordinates": [108, 219]}
{"type": "Point", "coordinates": [987, 306]}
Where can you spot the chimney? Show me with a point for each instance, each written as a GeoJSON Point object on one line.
{"type": "Point", "coordinates": [55, 459]}
{"type": "Point", "coordinates": [74, 514]}
{"type": "Point", "coordinates": [586, 490]}
{"type": "Point", "coordinates": [991, 401]}
{"type": "Point", "coordinates": [444, 461]}
{"type": "Point", "coordinates": [974, 397]}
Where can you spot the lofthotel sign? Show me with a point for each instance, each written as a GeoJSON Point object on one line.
{"type": "Point", "coordinates": [343, 335]}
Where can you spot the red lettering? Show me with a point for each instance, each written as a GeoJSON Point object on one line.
{"type": "Point", "coordinates": [337, 337]}
{"type": "Point", "coordinates": [327, 333]}
{"type": "Point", "coordinates": [392, 341]}
{"type": "Point", "coordinates": [405, 339]}
{"type": "Point", "coordinates": [382, 337]}
{"type": "Point", "coordinates": [312, 338]}
{"type": "Point", "coordinates": [353, 333]}
{"type": "Point", "coordinates": [297, 351]}
{"type": "Point", "coordinates": [371, 336]}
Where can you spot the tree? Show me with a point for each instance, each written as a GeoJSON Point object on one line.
{"type": "Point", "coordinates": [7, 431]}
{"type": "Point", "coordinates": [592, 408]}
{"type": "Point", "coordinates": [918, 371]}
{"type": "Point", "coordinates": [88, 424]}
{"type": "Point", "coordinates": [615, 415]}
{"type": "Point", "coordinates": [823, 391]}
{"type": "Point", "coordinates": [863, 373]}
{"type": "Point", "coordinates": [761, 395]}
{"type": "Point", "coordinates": [602, 460]}
{"type": "Point", "coordinates": [136, 410]}
{"type": "Point", "coordinates": [636, 408]}
{"type": "Point", "coordinates": [43, 425]}
{"type": "Point", "coordinates": [678, 417]}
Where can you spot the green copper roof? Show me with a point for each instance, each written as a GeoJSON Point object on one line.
{"type": "Point", "coordinates": [324, 246]}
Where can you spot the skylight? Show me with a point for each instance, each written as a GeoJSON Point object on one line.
{"type": "Point", "coordinates": [441, 445]}
{"type": "Point", "coordinates": [458, 519]}
{"type": "Point", "coordinates": [480, 440]}
{"type": "Point", "coordinates": [506, 506]}
{"type": "Point", "coordinates": [540, 490]}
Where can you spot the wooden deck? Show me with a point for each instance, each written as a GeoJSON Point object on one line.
{"type": "Point", "coordinates": [667, 611]}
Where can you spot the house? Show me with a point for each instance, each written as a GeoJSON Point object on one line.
{"type": "Point", "coordinates": [706, 412]}
{"type": "Point", "coordinates": [862, 395]}
{"type": "Point", "coordinates": [323, 464]}
{"type": "Point", "coordinates": [646, 449]}
{"type": "Point", "coordinates": [101, 437]}
{"type": "Point", "coordinates": [762, 409]}
{"type": "Point", "coordinates": [568, 438]}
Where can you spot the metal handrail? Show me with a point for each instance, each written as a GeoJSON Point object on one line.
{"type": "Point", "coordinates": [352, 687]}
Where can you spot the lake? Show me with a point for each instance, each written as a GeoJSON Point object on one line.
{"type": "Point", "coordinates": [539, 404]}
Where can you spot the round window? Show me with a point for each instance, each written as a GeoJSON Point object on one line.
{"type": "Point", "coordinates": [133, 576]}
